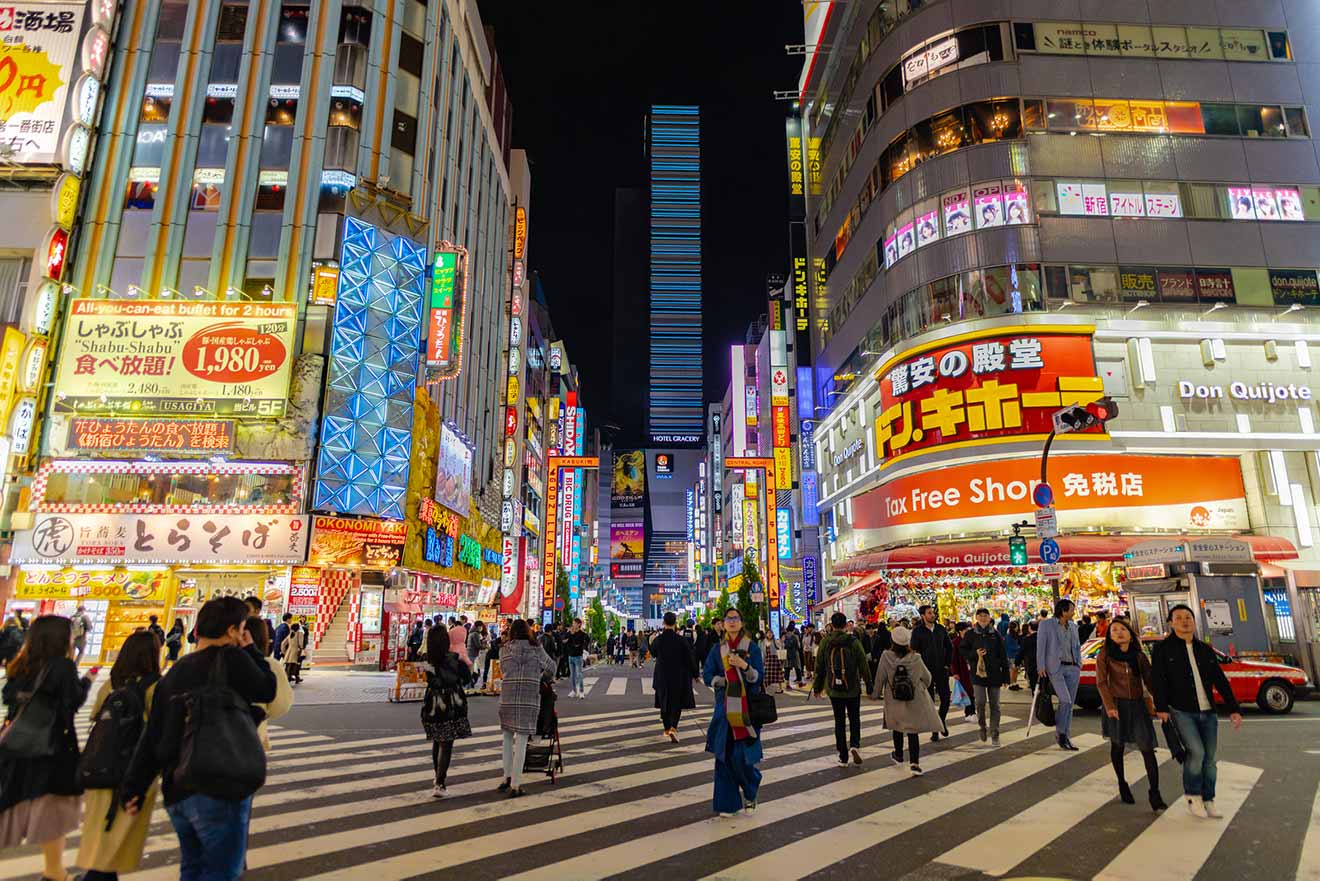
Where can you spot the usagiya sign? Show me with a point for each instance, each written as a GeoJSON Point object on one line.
{"type": "Point", "coordinates": [1106, 491]}
{"type": "Point", "coordinates": [979, 387]}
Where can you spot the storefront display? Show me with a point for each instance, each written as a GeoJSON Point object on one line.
{"type": "Point", "coordinates": [117, 601]}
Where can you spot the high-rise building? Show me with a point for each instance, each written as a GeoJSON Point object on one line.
{"type": "Point", "coordinates": [676, 409]}
{"type": "Point", "coordinates": [1013, 214]}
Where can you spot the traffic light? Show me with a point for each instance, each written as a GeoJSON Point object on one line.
{"type": "Point", "coordinates": [1017, 550]}
{"type": "Point", "coordinates": [1081, 417]}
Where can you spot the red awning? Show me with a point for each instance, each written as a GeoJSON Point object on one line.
{"type": "Point", "coordinates": [1073, 549]}
{"type": "Point", "coordinates": [868, 582]}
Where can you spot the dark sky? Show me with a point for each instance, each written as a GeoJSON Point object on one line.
{"type": "Point", "coordinates": [581, 76]}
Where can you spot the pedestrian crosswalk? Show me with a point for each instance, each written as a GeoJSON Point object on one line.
{"type": "Point", "coordinates": [631, 802]}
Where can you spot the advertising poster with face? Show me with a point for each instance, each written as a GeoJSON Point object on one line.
{"type": "Point", "coordinates": [1267, 208]}
{"type": "Point", "coordinates": [989, 206]}
{"type": "Point", "coordinates": [907, 242]}
{"type": "Point", "coordinates": [1016, 208]}
{"type": "Point", "coordinates": [928, 228]}
{"type": "Point", "coordinates": [1290, 204]}
{"type": "Point", "coordinates": [891, 251]}
{"type": "Point", "coordinates": [957, 213]}
{"type": "Point", "coordinates": [1240, 204]}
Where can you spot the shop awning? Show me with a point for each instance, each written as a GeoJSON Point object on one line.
{"type": "Point", "coordinates": [1073, 549]}
{"type": "Point", "coordinates": [868, 582]}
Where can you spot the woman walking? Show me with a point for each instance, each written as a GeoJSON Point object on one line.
{"type": "Point", "coordinates": [909, 709]}
{"type": "Point", "coordinates": [112, 839]}
{"type": "Point", "coordinates": [444, 709]}
{"type": "Point", "coordinates": [523, 664]}
{"type": "Point", "coordinates": [260, 633]}
{"type": "Point", "coordinates": [39, 801]}
{"type": "Point", "coordinates": [174, 641]}
{"type": "Point", "coordinates": [734, 667]}
{"type": "Point", "coordinates": [774, 664]}
{"type": "Point", "coordinates": [1122, 675]}
{"type": "Point", "coordinates": [293, 651]}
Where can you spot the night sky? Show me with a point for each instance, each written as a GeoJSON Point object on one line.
{"type": "Point", "coordinates": [580, 76]}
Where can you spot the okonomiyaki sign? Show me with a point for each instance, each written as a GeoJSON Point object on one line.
{"type": "Point", "coordinates": [973, 388]}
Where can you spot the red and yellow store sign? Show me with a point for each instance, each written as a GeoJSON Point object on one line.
{"type": "Point", "coordinates": [982, 386]}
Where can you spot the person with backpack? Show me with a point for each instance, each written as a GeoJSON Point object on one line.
{"type": "Point", "coordinates": [174, 641]}
{"type": "Point", "coordinates": [293, 652]}
{"type": "Point", "coordinates": [733, 668]}
{"type": "Point", "coordinates": [256, 628]}
{"type": "Point", "coordinates": [983, 651]}
{"type": "Point", "coordinates": [82, 625]}
{"type": "Point", "coordinates": [39, 789]}
{"type": "Point", "coordinates": [11, 637]}
{"type": "Point", "coordinates": [841, 669]}
{"type": "Point", "coordinates": [201, 739]}
{"type": "Point", "coordinates": [154, 628]}
{"type": "Point", "coordinates": [112, 840]}
{"type": "Point", "coordinates": [909, 707]}
{"type": "Point", "coordinates": [444, 708]}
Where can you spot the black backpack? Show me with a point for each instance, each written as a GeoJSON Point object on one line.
{"type": "Point", "coordinates": [843, 667]}
{"type": "Point", "coordinates": [220, 754]}
{"type": "Point", "coordinates": [445, 700]}
{"type": "Point", "coordinates": [116, 729]}
{"type": "Point", "coordinates": [901, 687]}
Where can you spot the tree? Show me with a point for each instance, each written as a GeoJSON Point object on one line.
{"type": "Point", "coordinates": [721, 605]}
{"type": "Point", "coordinates": [596, 622]}
{"type": "Point", "coordinates": [750, 611]}
{"type": "Point", "coordinates": [564, 615]}
{"type": "Point", "coordinates": [613, 622]}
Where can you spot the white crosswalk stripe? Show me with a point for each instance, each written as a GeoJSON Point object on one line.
{"type": "Point", "coordinates": [629, 801]}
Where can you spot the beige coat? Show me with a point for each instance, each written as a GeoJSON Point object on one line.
{"type": "Point", "coordinates": [916, 716]}
{"type": "Point", "coordinates": [283, 700]}
{"type": "Point", "coordinates": [120, 848]}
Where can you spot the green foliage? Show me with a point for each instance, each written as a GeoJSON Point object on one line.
{"type": "Point", "coordinates": [721, 605]}
{"type": "Point", "coordinates": [565, 615]}
{"type": "Point", "coordinates": [750, 611]}
{"type": "Point", "coordinates": [596, 621]}
{"type": "Point", "coordinates": [613, 621]}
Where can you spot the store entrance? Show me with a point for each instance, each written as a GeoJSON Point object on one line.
{"type": "Point", "coordinates": [1151, 601]}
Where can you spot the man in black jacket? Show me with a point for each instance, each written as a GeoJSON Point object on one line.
{"type": "Point", "coordinates": [983, 649]}
{"type": "Point", "coordinates": [932, 642]}
{"type": "Point", "coordinates": [1186, 673]}
{"type": "Point", "coordinates": [212, 831]}
{"type": "Point", "coordinates": [1027, 655]}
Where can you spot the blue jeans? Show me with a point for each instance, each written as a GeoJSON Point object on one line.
{"type": "Point", "coordinates": [576, 681]}
{"type": "Point", "coordinates": [212, 837]}
{"type": "Point", "coordinates": [1065, 686]}
{"type": "Point", "coordinates": [1200, 735]}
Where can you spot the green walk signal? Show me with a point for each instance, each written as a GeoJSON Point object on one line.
{"type": "Point", "coordinates": [1017, 551]}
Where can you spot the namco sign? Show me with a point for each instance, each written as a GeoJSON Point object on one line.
{"type": "Point", "coordinates": [1113, 491]}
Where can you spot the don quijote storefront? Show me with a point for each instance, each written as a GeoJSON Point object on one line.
{"type": "Point", "coordinates": [165, 475]}
{"type": "Point", "coordinates": [932, 458]}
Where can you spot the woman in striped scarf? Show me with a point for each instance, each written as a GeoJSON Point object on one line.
{"type": "Point", "coordinates": [734, 666]}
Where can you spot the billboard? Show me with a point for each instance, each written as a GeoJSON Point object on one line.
{"type": "Point", "coordinates": [357, 541]}
{"type": "Point", "coordinates": [38, 52]}
{"type": "Point", "coordinates": [71, 539]}
{"type": "Point", "coordinates": [627, 541]}
{"type": "Point", "coordinates": [998, 383]}
{"type": "Point", "coordinates": [444, 337]}
{"type": "Point", "coordinates": [453, 473]}
{"type": "Point", "coordinates": [628, 485]}
{"type": "Point", "coordinates": [176, 358]}
{"type": "Point", "coordinates": [175, 437]}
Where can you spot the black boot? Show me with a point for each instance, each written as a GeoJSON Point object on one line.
{"type": "Point", "coordinates": [1125, 793]}
{"type": "Point", "coordinates": [1157, 801]}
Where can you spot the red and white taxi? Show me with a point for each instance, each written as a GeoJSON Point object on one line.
{"type": "Point", "coordinates": [1272, 686]}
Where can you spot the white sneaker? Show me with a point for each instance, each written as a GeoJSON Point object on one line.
{"type": "Point", "coordinates": [749, 807]}
{"type": "Point", "coordinates": [1196, 807]}
{"type": "Point", "coordinates": [1210, 811]}
{"type": "Point", "coordinates": [843, 761]}
{"type": "Point", "coordinates": [437, 791]}
{"type": "Point", "coordinates": [725, 815]}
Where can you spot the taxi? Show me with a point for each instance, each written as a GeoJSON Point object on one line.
{"type": "Point", "coordinates": [1273, 687]}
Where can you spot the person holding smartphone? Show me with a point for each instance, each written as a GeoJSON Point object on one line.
{"type": "Point", "coordinates": [734, 666]}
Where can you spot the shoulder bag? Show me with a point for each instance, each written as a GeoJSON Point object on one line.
{"type": "Point", "coordinates": [31, 733]}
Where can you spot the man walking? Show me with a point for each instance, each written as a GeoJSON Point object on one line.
{"type": "Point", "coordinates": [1059, 659]}
{"type": "Point", "coordinates": [932, 642]}
{"type": "Point", "coordinates": [575, 644]}
{"type": "Point", "coordinates": [675, 669]}
{"type": "Point", "coordinates": [793, 650]}
{"type": "Point", "coordinates": [1185, 674]}
{"type": "Point", "coordinates": [477, 641]}
{"type": "Point", "coordinates": [281, 634]}
{"type": "Point", "coordinates": [983, 649]}
{"type": "Point", "coordinates": [809, 640]}
{"type": "Point", "coordinates": [82, 625]}
{"type": "Point", "coordinates": [841, 668]}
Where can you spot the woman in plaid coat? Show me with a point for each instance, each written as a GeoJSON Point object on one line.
{"type": "Point", "coordinates": [523, 663]}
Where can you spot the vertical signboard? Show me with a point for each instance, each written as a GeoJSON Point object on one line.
{"type": "Point", "coordinates": [444, 339]}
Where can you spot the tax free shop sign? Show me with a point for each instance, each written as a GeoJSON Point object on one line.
{"type": "Point", "coordinates": [1109, 492]}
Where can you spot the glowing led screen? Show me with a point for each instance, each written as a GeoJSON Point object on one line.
{"type": "Point", "coordinates": [366, 435]}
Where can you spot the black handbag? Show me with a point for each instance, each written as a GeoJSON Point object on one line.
{"type": "Point", "coordinates": [31, 732]}
{"type": "Point", "coordinates": [220, 755]}
{"type": "Point", "coordinates": [1045, 703]}
{"type": "Point", "coordinates": [761, 709]}
{"type": "Point", "coordinates": [1174, 740]}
